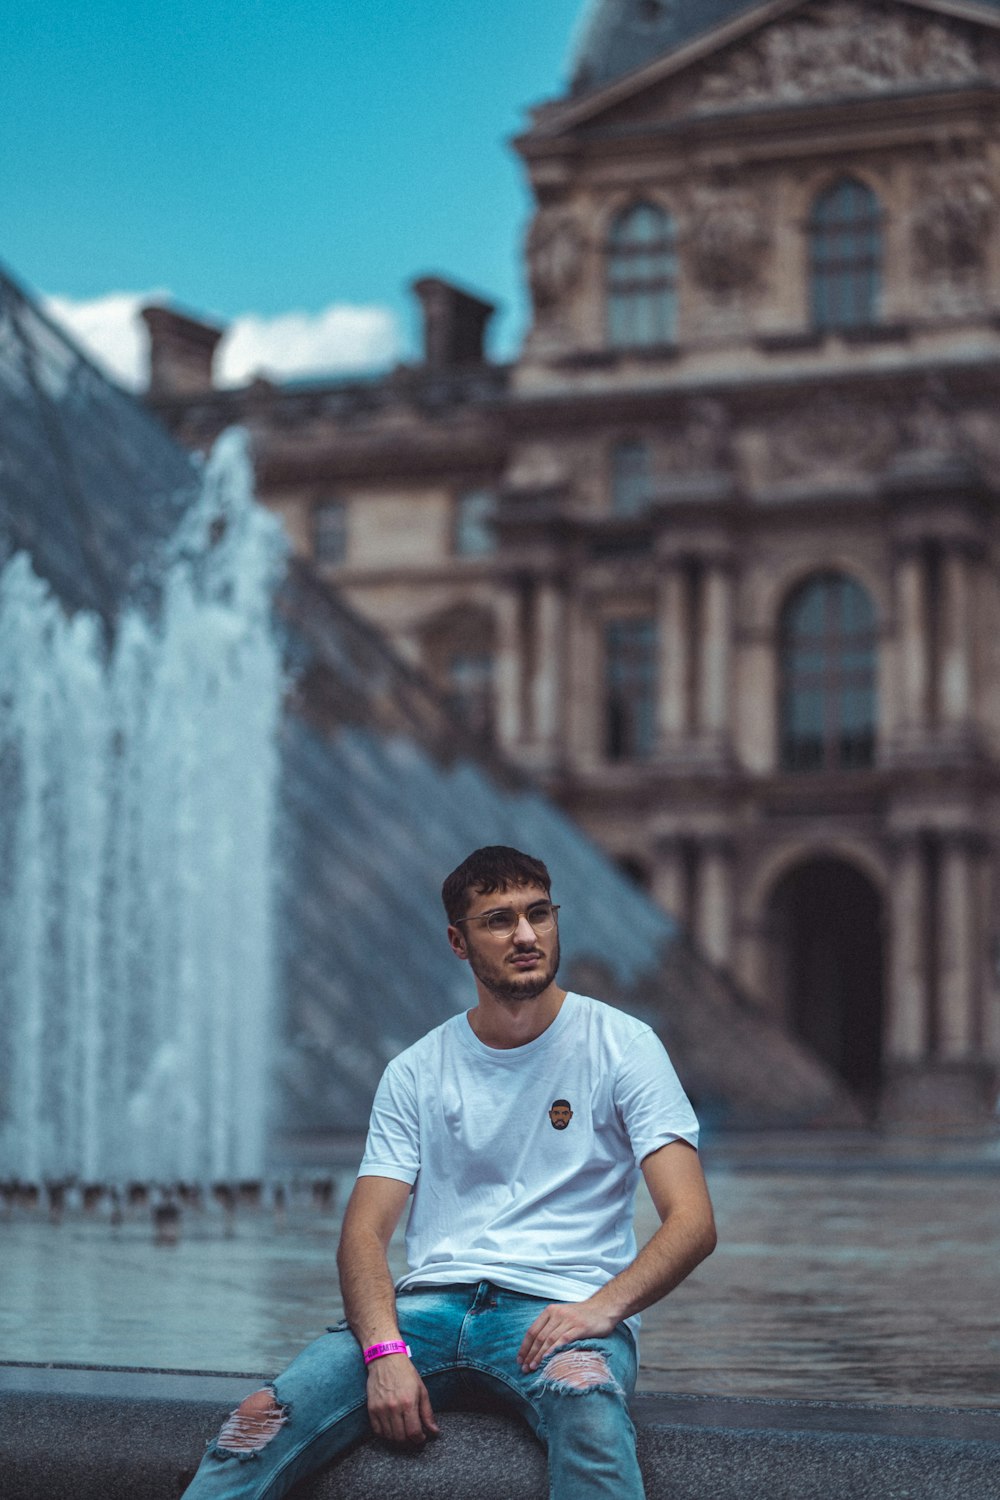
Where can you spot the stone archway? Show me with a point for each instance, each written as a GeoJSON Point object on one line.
{"type": "Point", "coordinates": [826, 920]}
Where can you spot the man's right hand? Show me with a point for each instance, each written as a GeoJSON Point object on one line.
{"type": "Point", "coordinates": [398, 1403]}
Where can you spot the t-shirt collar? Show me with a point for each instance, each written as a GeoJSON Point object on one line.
{"type": "Point", "coordinates": [510, 1054]}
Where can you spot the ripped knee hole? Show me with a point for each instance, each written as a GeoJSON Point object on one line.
{"type": "Point", "coordinates": [254, 1423]}
{"type": "Point", "coordinates": [578, 1370]}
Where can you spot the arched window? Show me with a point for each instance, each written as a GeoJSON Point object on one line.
{"type": "Point", "coordinates": [330, 532]}
{"type": "Point", "coordinates": [631, 477]}
{"type": "Point", "coordinates": [474, 514]}
{"type": "Point", "coordinates": [845, 256]}
{"type": "Point", "coordinates": [828, 660]}
{"type": "Point", "coordinates": [642, 278]}
{"type": "Point", "coordinates": [630, 688]}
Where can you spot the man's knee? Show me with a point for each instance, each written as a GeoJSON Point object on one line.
{"type": "Point", "coordinates": [253, 1424]}
{"type": "Point", "coordinates": [585, 1420]}
{"type": "Point", "coordinates": [577, 1371]}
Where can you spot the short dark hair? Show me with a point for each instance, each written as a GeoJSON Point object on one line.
{"type": "Point", "coordinates": [557, 1102]}
{"type": "Point", "coordinates": [494, 868]}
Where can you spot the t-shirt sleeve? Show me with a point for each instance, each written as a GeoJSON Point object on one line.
{"type": "Point", "coordinates": [650, 1100]}
{"type": "Point", "coordinates": [393, 1145]}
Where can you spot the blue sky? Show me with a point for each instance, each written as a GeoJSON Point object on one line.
{"type": "Point", "coordinates": [272, 156]}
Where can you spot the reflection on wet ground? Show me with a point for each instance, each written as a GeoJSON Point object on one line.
{"type": "Point", "coordinates": [846, 1270]}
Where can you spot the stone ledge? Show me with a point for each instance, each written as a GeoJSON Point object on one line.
{"type": "Point", "coordinates": [109, 1434]}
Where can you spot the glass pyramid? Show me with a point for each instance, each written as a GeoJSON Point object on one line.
{"type": "Point", "coordinates": [381, 791]}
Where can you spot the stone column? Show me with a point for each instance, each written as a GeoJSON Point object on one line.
{"type": "Point", "coordinates": [584, 685]}
{"type": "Point", "coordinates": [990, 945]}
{"type": "Point", "coordinates": [756, 720]}
{"type": "Point", "coordinates": [907, 1019]}
{"type": "Point", "coordinates": [957, 957]}
{"type": "Point", "coordinates": [547, 675]}
{"type": "Point", "coordinates": [714, 915]}
{"type": "Point", "coordinates": [715, 651]}
{"type": "Point", "coordinates": [675, 645]}
{"type": "Point", "coordinates": [668, 887]}
{"type": "Point", "coordinates": [955, 688]}
{"type": "Point", "coordinates": [913, 645]}
{"type": "Point", "coordinates": [509, 667]}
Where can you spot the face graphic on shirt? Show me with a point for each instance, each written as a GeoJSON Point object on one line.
{"type": "Point", "coordinates": [560, 1114]}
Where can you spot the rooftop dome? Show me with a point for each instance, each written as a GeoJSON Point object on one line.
{"type": "Point", "coordinates": [616, 36]}
{"type": "Point", "coordinates": [619, 35]}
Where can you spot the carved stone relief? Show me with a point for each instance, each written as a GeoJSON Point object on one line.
{"type": "Point", "coordinates": [956, 205]}
{"type": "Point", "coordinates": [835, 435]}
{"type": "Point", "coordinates": [844, 435]}
{"type": "Point", "coordinates": [930, 425]}
{"type": "Point", "coordinates": [728, 238]}
{"type": "Point", "coordinates": [556, 249]}
{"type": "Point", "coordinates": [702, 442]}
{"type": "Point", "coordinates": [981, 432]}
{"type": "Point", "coordinates": [538, 466]}
{"type": "Point", "coordinates": [845, 48]}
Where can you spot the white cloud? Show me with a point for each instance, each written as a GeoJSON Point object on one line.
{"type": "Point", "coordinates": [337, 339]}
{"type": "Point", "coordinates": [110, 330]}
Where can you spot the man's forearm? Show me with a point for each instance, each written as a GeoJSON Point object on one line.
{"type": "Point", "coordinates": [684, 1238]}
{"type": "Point", "coordinates": [399, 1407]}
{"type": "Point", "coordinates": [682, 1241]}
{"type": "Point", "coordinates": [366, 1288]}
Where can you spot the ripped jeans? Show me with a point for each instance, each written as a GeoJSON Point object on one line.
{"type": "Point", "coordinates": [464, 1342]}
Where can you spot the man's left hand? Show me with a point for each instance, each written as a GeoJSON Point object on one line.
{"type": "Point", "coordinates": [561, 1323]}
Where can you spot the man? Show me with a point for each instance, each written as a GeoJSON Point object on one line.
{"type": "Point", "coordinates": [520, 1127]}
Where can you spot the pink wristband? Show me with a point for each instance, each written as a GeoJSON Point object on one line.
{"type": "Point", "coordinates": [379, 1351]}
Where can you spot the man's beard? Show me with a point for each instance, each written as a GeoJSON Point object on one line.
{"type": "Point", "coordinates": [507, 984]}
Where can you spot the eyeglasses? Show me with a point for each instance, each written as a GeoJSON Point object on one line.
{"type": "Point", "coordinates": [540, 917]}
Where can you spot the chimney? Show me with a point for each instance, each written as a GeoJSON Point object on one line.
{"type": "Point", "coordinates": [181, 350]}
{"type": "Point", "coordinates": [454, 324]}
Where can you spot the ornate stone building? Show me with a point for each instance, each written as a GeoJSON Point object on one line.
{"type": "Point", "coordinates": [717, 556]}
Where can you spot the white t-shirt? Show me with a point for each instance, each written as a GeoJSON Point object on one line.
{"type": "Point", "coordinates": [500, 1194]}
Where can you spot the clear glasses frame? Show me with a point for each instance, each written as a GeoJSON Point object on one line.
{"type": "Point", "coordinates": [503, 921]}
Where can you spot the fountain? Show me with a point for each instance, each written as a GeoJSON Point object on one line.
{"type": "Point", "coordinates": [138, 783]}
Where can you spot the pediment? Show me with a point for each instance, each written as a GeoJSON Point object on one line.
{"type": "Point", "coordinates": [797, 51]}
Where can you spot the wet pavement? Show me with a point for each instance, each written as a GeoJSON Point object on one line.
{"type": "Point", "coordinates": [867, 1279]}
{"type": "Point", "coordinates": [849, 1269]}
